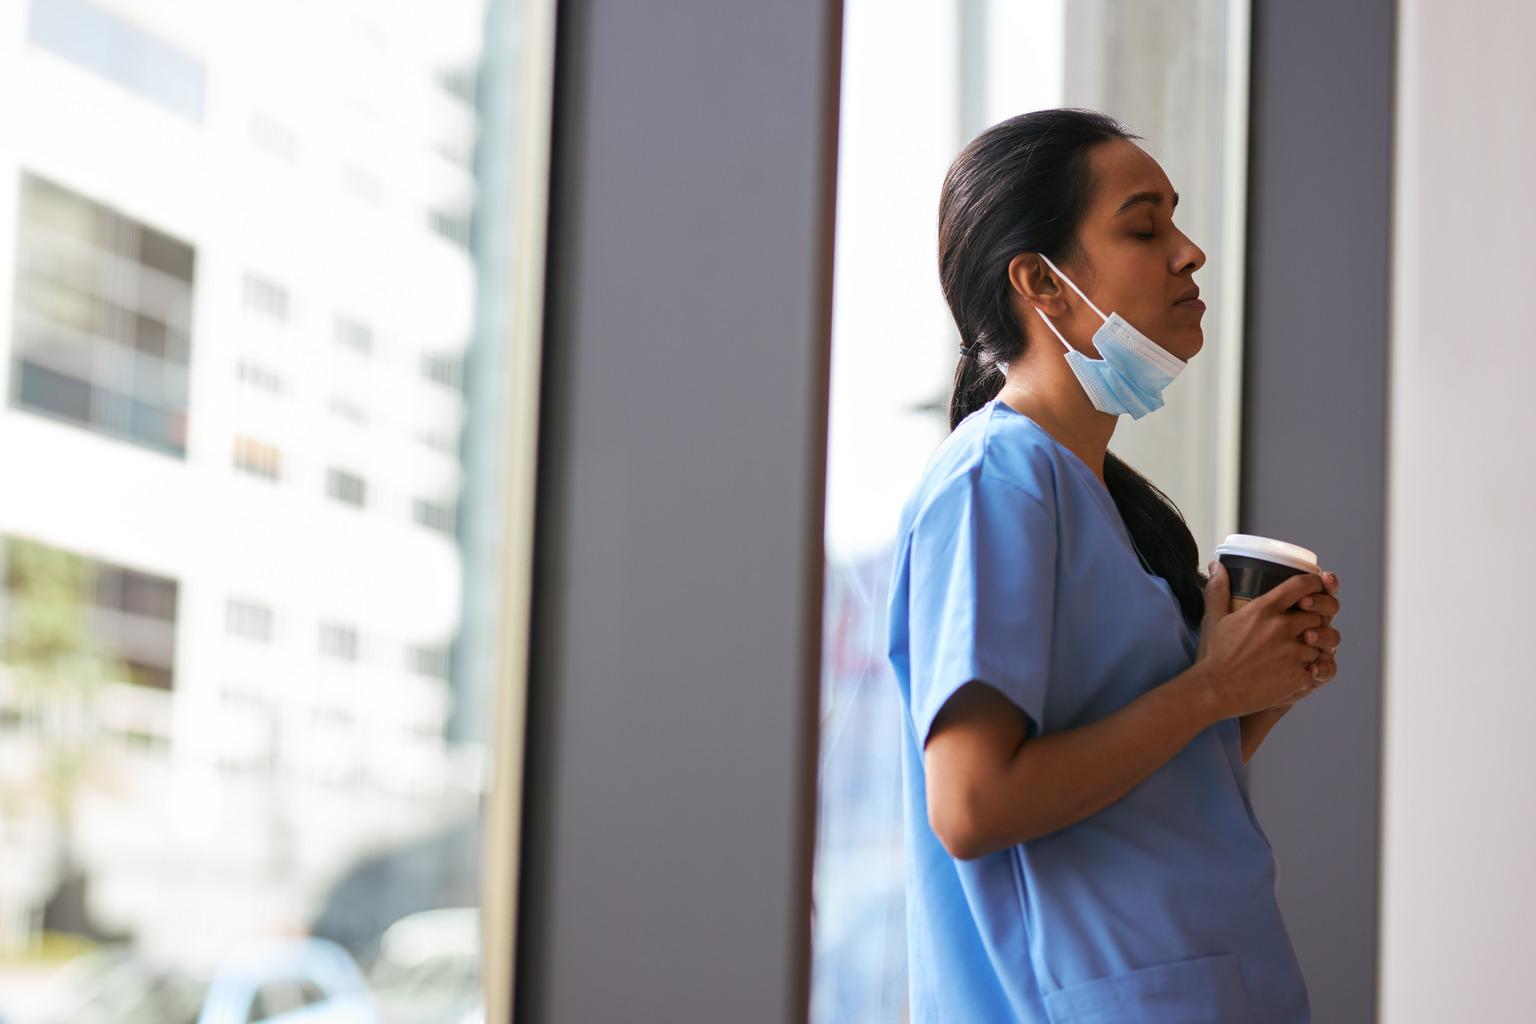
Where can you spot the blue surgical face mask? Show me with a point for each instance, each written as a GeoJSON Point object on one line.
{"type": "Point", "coordinates": [1134, 370]}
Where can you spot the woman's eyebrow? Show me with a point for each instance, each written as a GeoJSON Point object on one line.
{"type": "Point", "coordinates": [1155, 198]}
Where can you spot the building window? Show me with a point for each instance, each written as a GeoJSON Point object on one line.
{"type": "Point", "coordinates": [444, 369]}
{"type": "Point", "coordinates": [457, 149]}
{"type": "Point", "coordinates": [248, 619]}
{"type": "Point", "coordinates": [120, 52]}
{"type": "Point", "coordinates": [345, 487]}
{"type": "Point", "coordinates": [260, 377]}
{"type": "Point", "coordinates": [275, 138]}
{"type": "Point", "coordinates": [102, 319]}
{"type": "Point", "coordinates": [135, 593]}
{"type": "Point", "coordinates": [435, 515]}
{"type": "Point", "coordinates": [348, 410]}
{"type": "Point", "coordinates": [445, 441]}
{"type": "Point", "coordinates": [453, 226]}
{"type": "Point", "coordinates": [429, 661]}
{"type": "Point", "coordinates": [332, 718]}
{"type": "Point", "coordinates": [354, 334]}
{"type": "Point", "coordinates": [338, 641]}
{"type": "Point", "coordinates": [459, 82]}
{"type": "Point", "coordinates": [362, 184]}
{"type": "Point", "coordinates": [258, 459]}
{"type": "Point", "coordinates": [135, 617]}
{"type": "Point", "coordinates": [265, 296]}
{"type": "Point", "coordinates": [59, 603]}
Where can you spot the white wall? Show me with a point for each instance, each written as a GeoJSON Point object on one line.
{"type": "Point", "coordinates": [1459, 832]}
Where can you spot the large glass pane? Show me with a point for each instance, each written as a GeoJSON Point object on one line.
{"type": "Point", "coordinates": [258, 266]}
{"type": "Point", "coordinates": [917, 85]}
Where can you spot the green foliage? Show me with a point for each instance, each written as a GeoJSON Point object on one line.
{"type": "Point", "coordinates": [55, 665]}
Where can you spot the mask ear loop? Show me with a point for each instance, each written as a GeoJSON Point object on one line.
{"type": "Point", "coordinates": [1041, 313]}
{"type": "Point", "coordinates": [1054, 331]}
{"type": "Point", "coordinates": [1075, 288]}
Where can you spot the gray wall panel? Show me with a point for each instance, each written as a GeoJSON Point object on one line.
{"type": "Point", "coordinates": [674, 677]}
{"type": "Point", "coordinates": [1314, 444]}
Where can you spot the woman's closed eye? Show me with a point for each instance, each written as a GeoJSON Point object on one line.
{"type": "Point", "coordinates": [1143, 234]}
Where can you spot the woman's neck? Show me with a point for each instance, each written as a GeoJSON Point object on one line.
{"type": "Point", "coordinates": [1066, 414]}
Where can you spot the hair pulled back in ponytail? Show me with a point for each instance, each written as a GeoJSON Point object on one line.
{"type": "Point", "coordinates": [1022, 185]}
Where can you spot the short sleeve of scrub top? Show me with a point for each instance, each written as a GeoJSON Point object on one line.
{"type": "Point", "coordinates": [983, 559]}
{"type": "Point", "coordinates": [1013, 567]}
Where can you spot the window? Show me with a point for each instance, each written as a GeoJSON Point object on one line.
{"type": "Point", "coordinates": [361, 183]}
{"type": "Point", "coordinates": [248, 619]}
{"type": "Point", "coordinates": [354, 334]}
{"type": "Point", "coordinates": [119, 51]}
{"type": "Point", "coordinates": [60, 605]}
{"type": "Point", "coordinates": [332, 717]}
{"type": "Point", "coordinates": [445, 441]}
{"type": "Point", "coordinates": [444, 369]}
{"type": "Point", "coordinates": [429, 661]}
{"type": "Point", "coordinates": [458, 150]}
{"type": "Point", "coordinates": [266, 297]}
{"type": "Point", "coordinates": [459, 82]}
{"type": "Point", "coordinates": [102, 319]}
{"type": "Point", "coordinates": [957, 68]}
{"type": "Point", "coordinates": [345, 487]}
{"type": "Point", "coordinates": [258, 459]}
{"type": "Point", "coordinates": [135, 593]}
{"type": "Point", "coordinates": [275, 138]}
{"type": "Point", "coordinates": [320, 170]}
{"type": "Point", "coordinates": [338, 641]}
{"type": "Point", "coordinates": [452, 225]}
{"type": "Point", "coordinates": [435, 515]}
{"type": "Point", "coordinates": [348, 410]}
{"type": "Point", "coordinates": [259, 377]}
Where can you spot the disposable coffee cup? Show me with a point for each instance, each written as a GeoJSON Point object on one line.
{"type": "Point", "coordinates": [1256, 565]}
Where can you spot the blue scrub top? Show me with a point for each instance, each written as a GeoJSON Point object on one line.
{"type": "Point", "coordinates": [1014, 567]}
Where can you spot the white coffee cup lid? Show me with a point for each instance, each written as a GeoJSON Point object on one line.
{"type": "Point", "coordinates": [1269, 549]}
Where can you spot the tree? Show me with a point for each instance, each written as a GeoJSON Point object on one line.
{"type": "Point", "coordinates": [56, 669]}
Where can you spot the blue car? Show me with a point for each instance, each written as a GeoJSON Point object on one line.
{"type": "Point", "coordinates": [289, 981]}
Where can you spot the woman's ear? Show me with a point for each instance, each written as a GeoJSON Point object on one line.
{"type": "Point", "coordinates": [1036, 285]}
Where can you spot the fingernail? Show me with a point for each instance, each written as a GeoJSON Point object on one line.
{"type": "Point", "coordinates": [1211, 570]}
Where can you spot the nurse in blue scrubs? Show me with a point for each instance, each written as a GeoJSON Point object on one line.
{"type": "Point", "coordinates": [1080, 703]}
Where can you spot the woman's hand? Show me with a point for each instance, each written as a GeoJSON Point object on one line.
{"type": "Point", "coordinates": [1255, 725]}
{"type": "Point", "coordinates": [1257, 657]}
{"type": "Point", "coordinates": [1326, 639]}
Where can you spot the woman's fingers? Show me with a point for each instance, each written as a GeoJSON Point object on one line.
{"type": "Point", "coordinates": [1323, 604]}
{"type": "Point", "coordinates": [1322, 638]}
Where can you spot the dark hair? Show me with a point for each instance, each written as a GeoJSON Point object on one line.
{"type": "Point", "coordinates": [1022, 186]}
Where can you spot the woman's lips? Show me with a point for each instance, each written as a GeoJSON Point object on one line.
{"type": "Point", "coordinates": [1191, 304]}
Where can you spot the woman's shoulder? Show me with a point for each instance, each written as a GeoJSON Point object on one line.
{"type": "Point", "coordinates": [994, 448]}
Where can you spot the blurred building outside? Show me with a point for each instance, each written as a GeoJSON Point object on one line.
{"type": "Point", "coordinates": [238, 292]}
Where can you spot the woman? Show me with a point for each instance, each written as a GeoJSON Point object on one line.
{"type": "Point", "coordinates": [1079, 702]}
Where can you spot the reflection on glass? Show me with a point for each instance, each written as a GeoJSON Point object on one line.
{"type": "Point", "coordinates": [249, 535]}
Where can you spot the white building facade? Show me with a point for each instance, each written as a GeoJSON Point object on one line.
{"type": "Point", "coordinates": [235, 292]}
